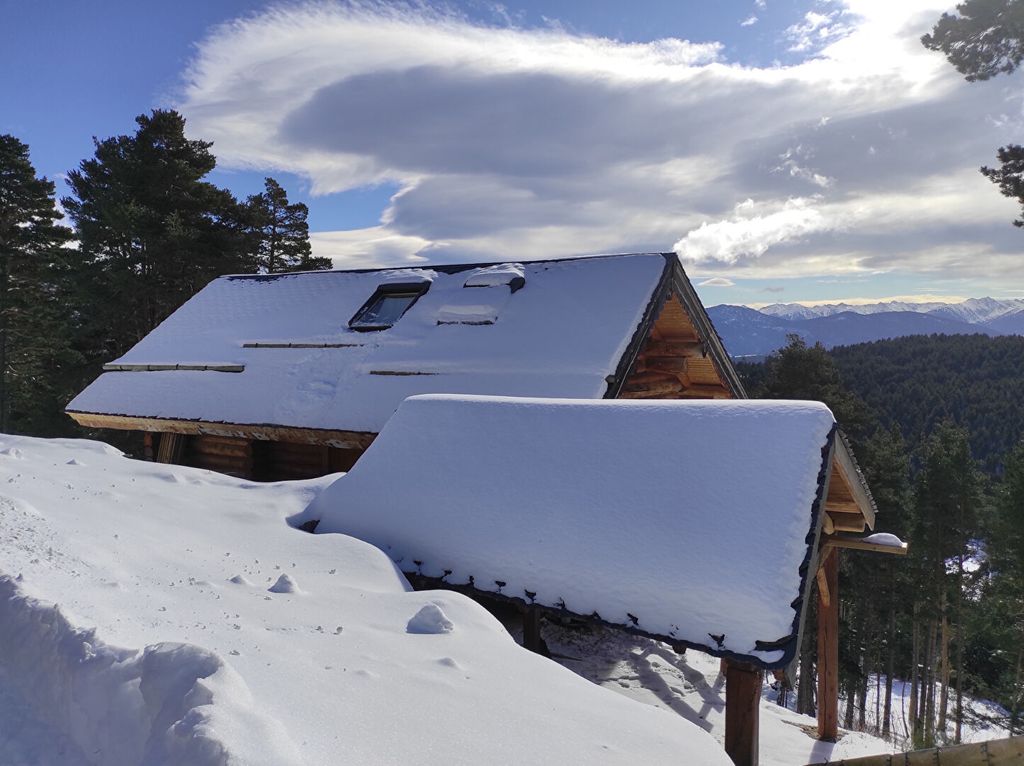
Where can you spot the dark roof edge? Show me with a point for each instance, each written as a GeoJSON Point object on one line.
{"type": "Point", "coordinates": [705, 329]}
{"type": "Point", "coordinates": [450, 268]}
{"type": "Point", "coordinates": [809, 566]}
{"type": "Point", "coordinates": [420, 581]}
{"type": "Point", "coordinates": [658, 298]}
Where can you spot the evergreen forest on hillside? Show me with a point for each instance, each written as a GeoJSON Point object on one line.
{"type": "Point", "coordinates": [936, 424]}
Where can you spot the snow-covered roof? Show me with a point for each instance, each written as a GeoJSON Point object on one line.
{"type": "Point", "coordinates": [688, 520]}
{"type": "Point", "coordinates": [278, 349]}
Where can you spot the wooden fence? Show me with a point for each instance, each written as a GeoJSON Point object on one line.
{"type": "Point", "coordinates": [994, 752]}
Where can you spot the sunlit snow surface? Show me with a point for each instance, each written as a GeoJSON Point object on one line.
{"type": "Point", "coordinates": [562, 334]}
{"type": "Point", "coordinates": [172, 644]}
{"type": "Point", "coordinates": [685, 519]}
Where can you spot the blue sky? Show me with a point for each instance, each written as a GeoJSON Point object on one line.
{"type": "Point", "coordinates": [789, 150]}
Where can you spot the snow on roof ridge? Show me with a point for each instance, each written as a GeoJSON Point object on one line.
{"type": "Point", "coordinates": [450, 268]}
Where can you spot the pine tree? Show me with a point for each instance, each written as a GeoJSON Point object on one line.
{"type": "Point", "coordinates": [948, 499]}
{"type": "Point", "coordinates": [799, 371]}
{"type": "Point", "coordinates": [1006, 552]}
{"type": "Point", "coordinates": [151, 231]}
{"type": "Point", "coordinates": [281, 233]}
{"type": "Point", "coordinates": [35, 351]}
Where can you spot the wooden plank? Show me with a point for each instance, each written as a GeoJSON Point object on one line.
{"type": "Point", "coordinates": [994, 752]}
{"type": "Point", "coordinates": [828, 650]}
{"type": "Point", "coordinates": [823, 592]}
{"type": "Point", "coordinates": [673, 348]}
{"type": "Point", "coordinates": [667, 390]}
{"type": "Point", "coordinates": [170, 448]}
{"type": "Point", "coordinates": [848, 522]}
{"type": "Point", "coordinates": [861, 545]}
{"type": "Point", "coordinates": [850, 476]}
{"type": "Point", "coordinates": [648, 377]}
{"type": "Point", "coordinates": [200, 445]}
{"type": "Point", "coordinates": [266, 432]}
{"type": "Point", "coordinates": [676, 365]}
{"type": "Point", "coordinates": [742, 706]}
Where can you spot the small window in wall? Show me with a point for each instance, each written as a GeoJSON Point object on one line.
{"type": "Point", "coordinates": [387, 305]}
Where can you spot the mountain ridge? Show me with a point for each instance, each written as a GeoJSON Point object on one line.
{"type": "Point", "coordinates": [748, 332]}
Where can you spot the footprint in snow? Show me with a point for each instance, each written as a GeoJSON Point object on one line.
{"type": "Point", "coordinates": [13, 452]}
{"type": "Point", "coordinates": [429, 620]}
{"type": "Point", "coordinates": [284, 584]}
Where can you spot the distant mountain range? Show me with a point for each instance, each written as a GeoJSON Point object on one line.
{"type": "Point", "coordinates": [758, 332]}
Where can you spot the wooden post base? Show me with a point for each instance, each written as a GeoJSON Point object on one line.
{"type": "Point", "coordinates": [742, 706]}
{"type": "Point", "coordinates": [828, 647]}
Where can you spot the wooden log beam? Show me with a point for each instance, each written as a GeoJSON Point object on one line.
{"type": "Point", "coordinates": [856, 544]}
{"type": "Point", "coordinates": [828, 649]}
{"type": "Point", "coordinates": [261, 431]}
{"type": "Point", "coordinates": [823, 592]}
{"type": "Point", "coordinates": [847, 522]}
{"type": "Point", "coordinates": [742, 706]}
{"type": "Point", "coordinates": [651, 377]}
{"type": "Point", "coordinates": [675, 365]}
{"type": "Point", "coordinates": [667, 390]}
{"type": "Point", "coordinates": [673, 348]}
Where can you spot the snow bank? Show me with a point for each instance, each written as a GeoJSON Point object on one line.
{"type": "Point", "coordinates": [179, 561]}
{"type": "Point", "coordinates": [168, 704]}
{"type": "Point", "coordinates": [687, 520]}
{"type": "Point", "coordinates": [559, 335]}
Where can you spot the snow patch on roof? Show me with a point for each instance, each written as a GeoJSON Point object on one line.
{"type": "Point", "coordinates": [560, 335]}
{"type": "Point", "coordinates": [687, 520]}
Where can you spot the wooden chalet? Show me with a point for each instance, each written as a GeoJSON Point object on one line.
{"type": "Point", "coordinates": [287, 376]}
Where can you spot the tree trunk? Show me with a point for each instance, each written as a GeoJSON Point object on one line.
{"type": "Point", "coordinates": [944, 672]}
{"type": "Point", "coordinates": [1018, 690]}
{"type": "Point", "coordinates": [913, 727]}
{"type": "Point", "coordinates": [959, 650]}
{"type": "Point", "coordinates": [890, 667]}
{"type": "Point", "coordinates": [931, 656]}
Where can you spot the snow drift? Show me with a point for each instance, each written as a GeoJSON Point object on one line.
{"type": "Point", "coordinates": [168, 704]}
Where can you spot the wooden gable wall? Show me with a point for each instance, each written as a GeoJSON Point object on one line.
{"type": "Point", "coordinates": [673, 362]}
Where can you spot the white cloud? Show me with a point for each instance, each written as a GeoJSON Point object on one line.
{"type": "Point", "coordinates": [749, 236]}
{"type": "Point", "coordinates": [717, 282]}
{"type": "Point", "coordinates": [515, 143]}
{"type": "Point", "coordinates": [749, 21]}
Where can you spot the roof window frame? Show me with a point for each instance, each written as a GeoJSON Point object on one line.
{"type": "Point", "coordinates": [389, 289]}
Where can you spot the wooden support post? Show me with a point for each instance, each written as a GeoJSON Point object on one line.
{"type": "Point", "coordinates": [828, 648]}
{"type": "Point", "coordinates": [532, 639]}
{"type": "Point", "coordinates": [170, 448]}
{"type": "Point", "coordinates": [742, 705]}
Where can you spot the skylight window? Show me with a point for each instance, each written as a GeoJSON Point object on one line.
{"type": "Point", "coordinates": [387, 305]}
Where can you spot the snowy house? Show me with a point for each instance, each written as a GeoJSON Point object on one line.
{"type": "Point", "coordinates": [293, 375]}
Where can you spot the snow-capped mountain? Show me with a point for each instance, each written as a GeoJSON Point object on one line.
{"type": "Point", "coordinates": [757, 332]}
{"type": "Point", "coordinates": [972, 310]}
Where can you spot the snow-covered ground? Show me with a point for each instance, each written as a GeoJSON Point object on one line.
{"type": "Point", "coordinates": [195, 626]}
{"type": "Point", "coordinates": [983, 719]}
